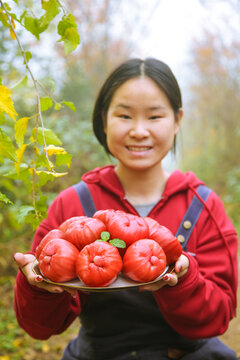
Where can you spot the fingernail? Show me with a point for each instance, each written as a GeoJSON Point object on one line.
{"type": "Point", "coordinates": [38, 278]}
{"type": "Point", "coordinates": [166, 277]}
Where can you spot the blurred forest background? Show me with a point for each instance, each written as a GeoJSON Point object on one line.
{"type": "Point", "coordinates": [209, 143]}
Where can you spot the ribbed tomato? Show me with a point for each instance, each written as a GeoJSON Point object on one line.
{"type": "Point", "coordinates": [84, 231]}
{"type": "Point", "coordinates": [128, 227]}
{"type": "Point", "coordinates": [106, 215]}
{"type": "Point", "coordinates": [144, 260]}
{"type": "Point", "coordinates": [64, 226]}
{"type": "Point", "coordinates": [98, 264]}
{"type": "Point", "coordinates": [57, 260]}
{"type": "Point", "coordinates": [53, 234]}
{"type": "Point", "coordinates": [165, 238]}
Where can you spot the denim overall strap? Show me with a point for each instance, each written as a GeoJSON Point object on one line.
{"type": "Point", "coordinates": [191, 217]}
{"type": "Point", "coordinates": [85, 198]}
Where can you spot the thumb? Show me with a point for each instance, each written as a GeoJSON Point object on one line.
{"type": "Point", "coordinates": [23, 259]}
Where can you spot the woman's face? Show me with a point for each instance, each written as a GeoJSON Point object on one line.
{"type": "Point", "coordinates": [140, 124]}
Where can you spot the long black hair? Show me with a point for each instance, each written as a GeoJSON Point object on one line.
{"type": "Point", "coordinates": [155, 69]}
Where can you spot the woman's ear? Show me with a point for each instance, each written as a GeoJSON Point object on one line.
{"type": "Point", "coordinates": [178, 118]}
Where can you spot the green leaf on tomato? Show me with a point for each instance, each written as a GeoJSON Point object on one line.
{"type": "Point", "coordinates": [105, 236]}
{"type": "Point", "coordinates": [118, 243]}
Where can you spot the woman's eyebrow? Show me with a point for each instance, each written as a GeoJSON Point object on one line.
{"type": "Point", "coordinates": [125, 106]}
{"type": "Point", "coordinates": [157, 107]}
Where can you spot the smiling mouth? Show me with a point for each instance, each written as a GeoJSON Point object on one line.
{"type": "Point", "coordinates": [139, 148]}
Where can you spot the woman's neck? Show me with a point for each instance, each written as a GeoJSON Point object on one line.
{"type": "Point", "coordinates": [142, 187]}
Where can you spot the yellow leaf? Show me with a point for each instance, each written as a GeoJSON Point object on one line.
{"type": "Point", "coordinates": [55, 174]}
{"type": "Point", "coordinates": [52, 149]}
{"type": "Point", "coordinates": [6, 103]}
{"type": "Point", "coordinates": [4, 357]}
{"type": "Point", "coordinates": [20, 129]}
{"type": "Point", "coordinates": [12, 34]}
{"type": "Point", "coordinates": [45, 348]}
{"type": "Point", "coordinates": [19, 153]}
{"type": "Point", "coordinates": [10, 326]}
{"type": "Point", "coordinates": [13, 22]}
{"type": "Point", "coordinates": [18, 342]}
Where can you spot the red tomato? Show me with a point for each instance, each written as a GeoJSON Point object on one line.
{"type": "Point", "coordinates": [128, 227]}
{"type": "Point", "coordinates": [98, 264]}
{"type": "Point", "coordinates": [57, 260]}
{"type": "Point", "coordinates": [165, 238]}
{"type": "Point", "coordinates": [144, 260]}
{"type": "Point", "coordinates": [84, 231]}
{"type": "Point", "coordinates": [106, 215]}
{"type": "Point", "coordinates": [53, 234]}
{"type": "Point", "coordinates": [64, 226]}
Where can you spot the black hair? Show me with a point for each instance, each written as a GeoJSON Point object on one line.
{"type": "Point", "coordinates": [155, 69]}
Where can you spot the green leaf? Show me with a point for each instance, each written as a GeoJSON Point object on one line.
{"type": "Point", "coordinates": [43, 178]}
{"type": "Point", "coordinates": [31, 24]}
{"type": "Point", "coordinates": [7, 6]}
{"type": "Point", "coordinates": [24, 211]}
{"type": "Point", "coordinates": [7, 148]}
{"type": "Point", "coordinates": [5, 199]}
{"type": "Point", "coordinates": [52, 9]}
{"type": "Point", "coordinates": [118, 243]}
{"type": "Point", "coordinates": [105, 236]}
{"type": "Point", "coordinates": [67, 29]}
{"type": "Point", "coordinates": [4, 19]}
{"type": "Point", "coordinates": [20, 130]}
{"type": "Point", "coordinates": [28, 56]}
{"type": "Point", "coordinates": [63, 159]}
{"type": "Point", "coordinates": [50, 137]}
{"type": "Point", "coordinates": [21, 83]}
{"type": "Point", "coordinates": [42, 162]}
{"type": "Point", "coordinates": [46, 103]}
{"type": "Point", "coordinates": [66, 22]}
{"type": "Point", "coordinates": [70, 105]}
{"type": "Point", "coordinates": [58, 106]}
{"type": "Point", "coordinates": [2, 119]}
{"type": "Point", "coordinates": [71, 40]}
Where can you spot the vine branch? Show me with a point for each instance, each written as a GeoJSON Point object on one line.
{"type": "Point", "coordinates": [35, 82]}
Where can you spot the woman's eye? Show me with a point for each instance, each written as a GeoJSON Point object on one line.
{"type": "Point", "coordinates": [123, 116]}
{"type": "Point", "coordinates": [155, 117]}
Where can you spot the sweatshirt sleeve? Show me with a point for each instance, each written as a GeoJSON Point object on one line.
{"type": "Point", "coordinates": [203, 302]}
{"type": "Point", "coordinates": [39, 312]}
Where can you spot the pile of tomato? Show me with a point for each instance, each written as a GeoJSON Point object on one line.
{"type": "Point", "coordinates": [96, 249]}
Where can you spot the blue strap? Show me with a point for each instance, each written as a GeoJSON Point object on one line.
{"type": "Point", "coordinates": [85, 198]}
{"type": "Point", "coordinates": [191, 217]}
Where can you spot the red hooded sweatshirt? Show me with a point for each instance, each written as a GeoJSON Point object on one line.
{"type": "Point", "coordinates": [199, 306]}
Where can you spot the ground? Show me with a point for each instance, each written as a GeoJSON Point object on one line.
{"type": "Point", "coordinates": [15, 344]}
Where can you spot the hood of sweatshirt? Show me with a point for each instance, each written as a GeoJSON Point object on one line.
{"type": "Point", "coordinates": [107, 178]}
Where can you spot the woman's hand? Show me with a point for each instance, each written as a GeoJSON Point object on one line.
{"type": "Point", "coordinates": [171, 279]}
{"type": "Point", "coordinates": [25, 263]}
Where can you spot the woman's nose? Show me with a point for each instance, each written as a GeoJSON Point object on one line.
{"type": "Point", "coordinates": [139, 130]}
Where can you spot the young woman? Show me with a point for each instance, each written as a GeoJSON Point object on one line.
{"type": "Point", "coordinates": [136, 118]}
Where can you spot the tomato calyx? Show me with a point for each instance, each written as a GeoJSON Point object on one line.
{"type": "Point", "coordinates": [118, 243]}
